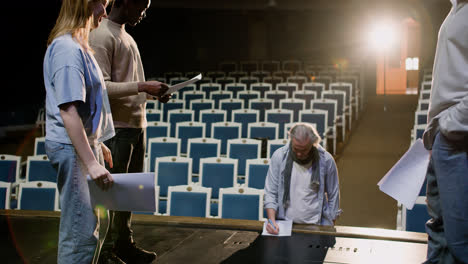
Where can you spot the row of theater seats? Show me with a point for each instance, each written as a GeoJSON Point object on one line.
{"type": "Point", "coordinates": [38, 191]}
{"type": "Point", "coordinates": [416, 218]}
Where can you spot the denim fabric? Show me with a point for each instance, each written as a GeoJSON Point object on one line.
{"type": "Point", "coordinates": [328, 191]}
{"type": "Point", "coordinates": [447, 196]}
{"type": "Point", "coordinates": [79, 229]}
{"type": "Point", "coordinates": [128, 152]}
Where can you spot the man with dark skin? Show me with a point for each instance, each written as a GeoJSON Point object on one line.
{"type": "Point", "coordinates": [119, 59]}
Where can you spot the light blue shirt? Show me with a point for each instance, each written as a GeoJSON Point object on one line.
{"type": "Point", "coordinates": [448, 111]}
{"type": "Point", "coordinates": [72, 75]}
{"type": "Point", "coordinates": [328, 196]}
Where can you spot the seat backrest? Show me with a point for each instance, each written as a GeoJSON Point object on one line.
{"type": "Point", "coordinates": [427, 85]}
{"type": "Point", "coordinates": [415, 219]}
{"type": "Point", "coordinates": [241, 203]}
{"type": "Point", "coordinates": [260, 75]}
{"type": "Point", "coordinates": [319, 117]}
{"type": "Point", "coordinates": [305, 95]}
{"type": "Point", "coordinates": [329, 105]}
{"type": "Point", "coordinates": [219, 95]}
{"type": "Point", "coordinates": [295, 105]}
{"type": "Point", "coordinates": [344, 87]}
{"type": "Point", "coordinates": [225, 131]}
{"type": "Point", "coordinates": [192, 95]}
{"type": "Point", "coordinates": [199, 148]}
{"type": "Point", "coordinates": [281, 117]}
{"type": "Point", "coordinates": [262, 130]}
{"type": "Point", "coordinates": [248, 80]}
{"type": "Point", "coordinates": [276, 96]}
{"type": "Point", "coordinates": [200, 104]}
{"type": "Point", "coordinates": [235, 88]}
{"type": "Point", "coordinates": [39, 168]}
{"type": "Point", "coordinates": [299, 80]}
{"type": "Point", "coordinates": [274, 80]}
{"type": "Point", "coordinates": [39, 146]}
{"type": "Point", "coordinates": [229, 105]}
{"type": "Point", "coordinates": [153, 115]}
{"type": "Point", "coordinates": [179, 115]}
{"type": "Point", "coordinates": [37, 195]}
{"type": "Point", "coordinates": [187, 130]}
{"type": "Point", "coordinates": [244, 117]}
{"type": "Point", "coordinates": [288, 87]}
{"type": "Point", "coordinates": [210, 116]}
{"type": "Point", "coordinates": [339, 97]}
{"type": "Point", "coordinates": [261, 87]}
{"type": "Point", "coordinates": [156, 129]}
{"type": "Point", "coordinates": [420, 117]}
{"type": "Point", "coordinates": [261, 105]}
{"type": "Point", "coordinates": [326, 80]}
{"type": "Point", "coordinates": [9, 168]}
{"type": "Point", "coordinates": [224, 81]}
{"type": "Point", "coordinates": [189, 88]}
{"type": "Point", "coordinates": [218, 173]}
{"type": "Point", "coordinates": [316, 87]}
{"type": "Point", "coordinates": [172, 171]}
{"type": "Point", "coordinates": [273, 145]}
{"type": "Point", "coordinates": [237, 74]}
{"type": "Point", "coordinates": [161, 147]}
{"type": "Point", "coordinates": [256, 172]}
{"type": "Point", "coordinates": [243, 149]}
{"type": "Point", "coordinates": [5, 192]}
{"type": "Point", "coordinates": [248, 95]}
{"type": "Point", "coordinates": [189, 200]}
{"type": "Point", "coordinates": [209, 88]}
{"type": "Point", "coordinates": [171, 105]}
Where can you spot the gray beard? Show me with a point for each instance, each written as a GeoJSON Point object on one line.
{"type": "Point", "coordinates": [311, 157]}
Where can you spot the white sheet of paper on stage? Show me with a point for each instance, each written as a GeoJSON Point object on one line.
{"type": "Point", "coordinates": [176, 87]}
{"type": "Point", "coordinates": [285, 228]}
{"type": "Point", "coordinates": [404, 180]}
{"type": "Point", "coordinates": [130, 192]}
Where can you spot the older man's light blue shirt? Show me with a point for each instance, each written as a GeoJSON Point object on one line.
{"type": "Point", "coordinates": [328, 192]}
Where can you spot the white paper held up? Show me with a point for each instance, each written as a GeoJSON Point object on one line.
{"type": "Point", "coordinates": [130, 192]}
{"type": "Point", "coordinates": [285, 228]}
{"type": "Point", "coordinates": [176, 87]}
{"type": "Point", "coordinates": [404, 180]}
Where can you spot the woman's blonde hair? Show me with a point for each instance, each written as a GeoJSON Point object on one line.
{"type": "Point", "coordinates": [74, 18]}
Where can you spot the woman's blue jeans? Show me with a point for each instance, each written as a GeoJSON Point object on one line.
{"type": "Point", "coordinates": [79, 227]}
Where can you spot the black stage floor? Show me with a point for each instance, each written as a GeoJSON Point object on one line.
{"type": "Point", "coordinates": [31, 237]}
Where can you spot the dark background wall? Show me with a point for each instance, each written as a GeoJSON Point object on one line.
{"type": "Point", "coordinates": [187, 35]}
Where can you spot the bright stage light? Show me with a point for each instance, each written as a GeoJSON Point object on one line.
{"type": "Point", "coordinates": [382, 36]}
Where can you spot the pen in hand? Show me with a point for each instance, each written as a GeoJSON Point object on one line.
{"type": "Point", "coordinates": [271, 223]}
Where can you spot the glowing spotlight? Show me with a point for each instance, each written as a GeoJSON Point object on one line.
{"type": "Point", "coordinates": [382, 36]}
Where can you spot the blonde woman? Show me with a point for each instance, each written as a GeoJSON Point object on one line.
{"type": "Point", "coordinates": [78, 118]}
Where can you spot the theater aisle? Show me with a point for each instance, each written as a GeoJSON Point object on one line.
{"type": "Point", "coordinates": [377, 142]}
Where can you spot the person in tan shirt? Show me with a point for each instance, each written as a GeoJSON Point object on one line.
{"type": "Point", "coordinates": [119, 59]}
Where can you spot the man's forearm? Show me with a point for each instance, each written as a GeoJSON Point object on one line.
{"type": "Point", "coordinates": [121, 89]}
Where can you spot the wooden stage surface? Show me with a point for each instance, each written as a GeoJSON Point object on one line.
{"type": "Point", "coordinates": [31, 237]}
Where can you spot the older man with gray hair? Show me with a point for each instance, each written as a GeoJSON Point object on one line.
{"type": "Point", "coordinates": [302, 182]}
